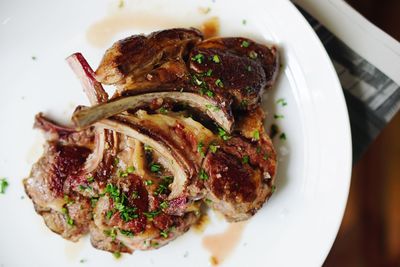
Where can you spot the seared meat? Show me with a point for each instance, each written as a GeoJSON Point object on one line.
{"type": "Point", "coordinates": [64, 157]}
{"type": "Point", "coordinates": [139, 60]}
{"type": "Point", "coordinates": [236, 66]}
{"type": "Point", "coordinates": [239, 175]}
{"type": "Point", "coordinates": [184, 125]}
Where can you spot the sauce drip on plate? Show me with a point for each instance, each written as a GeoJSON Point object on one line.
{"type": "Point", "coordinates": [221, 245]}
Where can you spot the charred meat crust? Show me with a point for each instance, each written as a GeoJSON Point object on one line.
{"type": "Point", "coordinates": [138, 55]}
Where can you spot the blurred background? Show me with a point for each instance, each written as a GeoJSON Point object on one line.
{"type": "Point", "coordinates": [370, 231]}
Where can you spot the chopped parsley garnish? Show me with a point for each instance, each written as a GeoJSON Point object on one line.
{"type": "Point", "coordinates": [154, 244]}
{"type": "Point", "coordinates": [135, 195]}
{"type": "Point", "coordinates": [199, 58]}
{"type": "Point", "coordinates": [276, 116]}
{"type": "Point", "coordinates": [109, 214]}
{"type": "Point", "coordinates": [243, 103]}
{"type": "Point", "coordinates": [256, 135]}
{"type": "Point", "coordinates": [213, 148]}
{"type": "Point", "coordinates": [223, 134]}
{"type": "Point", "coordinates": [208, 201]}
{"type": "Point", "coordinates": [282, 136]}
{"type": "Point", "coordinates": [130, 169]}
{"type": "Point", "coordinates": [274, 130]}
{"type": "Point", "coordinates": [253, 54]}
{"type": "Point", "coordinates": [164, 233]}
{"type": "Point", "coordinates": [126, 232]}
{"type": "Point", "coordinates": [68, 200]}
{"type": "Point", "coordinates": [168, 179]}
{"type": "Point", "coordinates": [219, 83]}
{"type": "Point", "coordinates": [147, 148]}
{"type": "Point", "coordinates": [245, 44]}
{"type": "Point", "coordinates": [258, 149]}
{"type": "Point", "coordinates": [148, 182]}
{"type": "Point", "coordinates": [151, 214]}
{"type": "Point", "coordinates": [90, 179]}
{"type": "Point", "coordinates": [273, 189]}
{"type": "Point", "coordinates": [161, 189]}
{"type": "Point", "coordinates": [116, 161]}
{"type": "Point", "coordinates": [245, 159]}
{"type": "Point", "coordinates": [3, 185]}
{"type": "Point", "coordinates": [200, 148]}
{"type": "Point", "coordinates": [244, 22]}
{"type": "Point", "coordinates": [282, 102]}
{"type": "Point", "coordinates": [196, 80]}
{"type": "Point", "coordinates": [203, 175]}
{"type": "Point", "coordinates": [120, 199]}
{"type": "Point", "coordinates": [209, 73]}
{"type": "Point", "coordinates": [249, 69]}
{"type": "Point", "coordinates": [64, 211]}
{"type": "Point", "coordinates": [93, 201]}
{"type": "Point", "coordinates": [265, 157]}
{"type": "Point", "coordinates": [163, 110]}
{"type": "Point", "coordinates": [155, 167]}
{"type": "Point", "coordinates": [216, 59]}
{"type": "Point", "coordinates": [85, 188]}
{"type": "Point", "coordinates": [164, 205]}
{"type": "Point", "coordinates": [212, 107]}
{"type": "Point", "coordinates": [117, 254]}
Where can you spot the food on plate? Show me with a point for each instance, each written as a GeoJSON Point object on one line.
{"type": "Point", "coordinates": [184, 127]}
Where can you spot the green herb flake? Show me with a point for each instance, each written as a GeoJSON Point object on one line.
{"type": "Point", "coordinates": [109, 214]}
{"type": "Point", "coordinates": [33, 58]}
{"type": "Point", "coordinates": [277, 117]}
{"type": "Point", "coordinates": [216, 59]}
{"type": "Point", "coordinates": [3, 185]}
{"type": "Point", "coordinates": [135, 195]}
{"type": "Point", "coordinates": [130, 169]}
{"type": "Point", "coordinates": [117, 254]}
{"type": "Point", "coordinates": [245, 44]}
{"type": "Point", "coordinates": [223, 134]}
{"type": "Point", "coordinates": [212, 107]}
{"type": "Point", "coordinates": [249, 69]}
{"type": "Point", "coordinates": [208, 201]}
{"type": "Point", "coordinates": [151, 214]}
{"type": "Point", "coordinates": [164, 233]}
{"type": "Point", "coordinates": [273, 189]}
{"type": "Point", "coordinates": [126, 232]}
{"type": "Point", "coordinates": [163, 110]}
{"type": "Point", "coordinates": [199, 58]}
{"type": "Point", "coordinates": [121, 4]}
{"type": "Point", "coordinates": [90, 179]}
{"type": "Point", "coordinates": [155, 167]}
{"type": "Point", "coordinates": [200, 149]}
{"type": "Point", "coordinates": [111, 233]}
{"type": "Point", "coordinates": [274, 130]}
{"type": "Point", "coordinates": [265, 157]}
{"type": "Point", "coordinates": [148, 182]}
{"type": "Point", "coordinates": [219, 83]}
{"type": "Point", "coordinates": [256, 135]}
{"type": "Point", "coordinates": [209, 73]}
{"type": "Point", "coordinates": [148, 148]}
{"type": "Point", "coordinates": [244, 22]}
{"type": "Point", "coordinates": [282, 102]}
{"type": "Point", "coordinates": [209, 93]}
{"type": "Point", "coordinates": [213, 148]}
{"type": "Point", "coordinates": [164, 205]}
{"type": "Point", "coordinates": [282, 136]}
{"type": "Point", "coordinates": [116, 161]}
{"type": "Point", "coordinates": [258, 149]}
{"type": "Point", "coordinates": [70, 221]}
{"type": "Point", "coordinates": [253, 54]}
{"type": "Point", "coordinates": [245, 159]}
{"type": "Point", "coordinates": [161, 189]}
{"type": "Point", "coordinates": [93, 201]}
{"type": "Point", "coordinates": [203, 175]}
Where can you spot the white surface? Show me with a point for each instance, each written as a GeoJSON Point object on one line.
{"type": "Point", "coordinates": [370, 42]}
{"type": "Point", "coordinates": [298, 225]}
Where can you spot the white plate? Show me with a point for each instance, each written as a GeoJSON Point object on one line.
{"type": "Point", "coordinates": [298, 225]}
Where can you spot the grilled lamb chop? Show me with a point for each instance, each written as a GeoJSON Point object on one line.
{"type": "Point", "coordinates": [239, 176]}
{"type": "Point", "coordinates": [184, 125]}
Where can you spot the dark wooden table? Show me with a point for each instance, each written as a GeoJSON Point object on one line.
{"type": "Point", "coordinates": [370, 231]}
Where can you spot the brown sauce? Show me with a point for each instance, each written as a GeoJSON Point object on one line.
{"type": "Point", "coordinates": [221, 245]}
{"type": "Point", "coordinates": [210, 27]}
{"type": "Point", "coordinates": [202, 223]}
{"type": "Point", "coordinates": [101, 33]}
